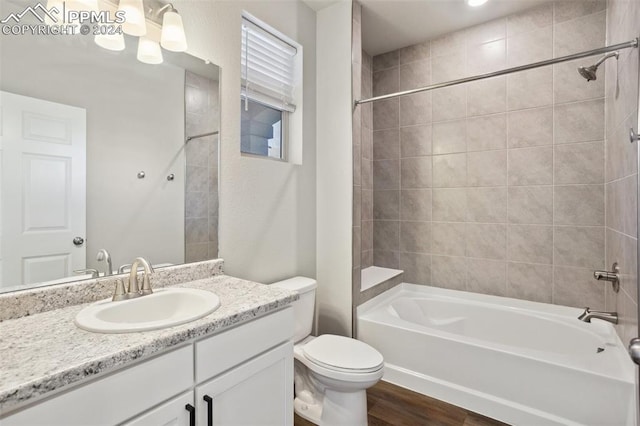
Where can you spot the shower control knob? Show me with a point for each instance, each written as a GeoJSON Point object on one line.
{"type": "Point", "coordinates": [634, 350]}
{"type": "Point", "coordinates": [78, 241]}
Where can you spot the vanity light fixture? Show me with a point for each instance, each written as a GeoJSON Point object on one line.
{"type": "Point", "coordinates": [135, 23]}
{"type": "Point", "coordinates": [149, 51]}
{"type": "Point", "coordinates": [173, 37]}
{"type": "Point", "coordinates": [476, 3]}
{"type": "Point", "coordinates": [110, 41]}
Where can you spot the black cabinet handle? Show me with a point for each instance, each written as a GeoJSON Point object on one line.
{"type": "Point", "coordinates": [192, 414]}
{"type": "Point", "coordinates": [209, 401]}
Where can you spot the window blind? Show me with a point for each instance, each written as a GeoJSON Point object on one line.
{"type": "Point", "coordinates": [268, 65]}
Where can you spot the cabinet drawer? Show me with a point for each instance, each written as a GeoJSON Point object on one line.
{"type": "Point", "coordinates": [112, 399]}
{"type": "Point", "coordinates": [226, 350]}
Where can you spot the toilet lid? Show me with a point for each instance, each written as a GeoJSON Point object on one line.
{"type": "Point", "coordinates": [339, 352]}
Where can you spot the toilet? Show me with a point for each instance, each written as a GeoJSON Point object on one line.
{"type": "Point", "coordinates": [332, 372]}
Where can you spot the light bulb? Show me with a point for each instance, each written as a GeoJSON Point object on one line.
{"type": "Point", "coordinates": [110, 41]}
{"type": "Point", "coordinates": [476, 3]}
{"type": "Point", "coordinates": [134, 20]}
{"type": "Point", "coordinates": [173, 37]}
{"type": "Point", "coordinates": [149, 51]}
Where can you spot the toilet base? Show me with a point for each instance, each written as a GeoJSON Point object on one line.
{"type": "Point", "coordinates": [310, 412]}
{"type": "Point", "coordinates": [337, 408]}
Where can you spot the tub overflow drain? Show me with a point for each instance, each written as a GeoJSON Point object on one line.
{"type": "Point", "coordinates": [599, 350]}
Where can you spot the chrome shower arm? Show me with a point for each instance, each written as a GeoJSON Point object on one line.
{"type": "Point", "coordinates": [605, 57]}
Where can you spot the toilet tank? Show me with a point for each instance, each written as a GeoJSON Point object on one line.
{"type": "Point", "coordinates": [303, 308]}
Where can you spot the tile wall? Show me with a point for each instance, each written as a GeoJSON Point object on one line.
{"type": "Point", "coordinates": [367, 162]}
{"type": "Point", "coordinates": [362, 82]}
{"type": "Point", "coordinates": [363, 149]}
{"type": "Point", "coordinates": [201, 198]}
{"type": "Point", "coordinates": [357, 129]}
{"type": "Point", "coordinates": [621, 172]}
{"type": "Point", "coordinates": [496, 186]}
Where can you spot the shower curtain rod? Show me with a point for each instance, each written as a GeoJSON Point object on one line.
{"type": "Point", "coordinates": [201, 136]}
{"type": "Point", "coordinates": [601, 50]}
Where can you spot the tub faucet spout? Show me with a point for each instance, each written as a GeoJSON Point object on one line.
{"type": "Point", "coordinates": [588, 314]}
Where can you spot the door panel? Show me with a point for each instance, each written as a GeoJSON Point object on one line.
{"type": "Point", "coordinates": [47, 128]}
{"type": "Point", "coordinates": [46, 187]}
{"type": "Point", "coordinates": [42, 189]}
{"type": "Point", "coordinates": [40, 268]}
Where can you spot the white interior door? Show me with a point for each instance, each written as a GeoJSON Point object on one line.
{"type": "Point", "coordinates": [43, 190]}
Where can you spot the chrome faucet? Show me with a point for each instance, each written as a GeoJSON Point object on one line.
{"type": "Point", "coordinates": [133, 277]}
{"type": "Point", "coordinates": [588, 314]}
{"type": "Point", "coordinates": [103, 254]}
{"type": "Point", "coordinates": [133, 289]}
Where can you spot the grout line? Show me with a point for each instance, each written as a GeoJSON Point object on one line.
{"type": "Point", "coordinates": [431, 281]}
{"type": "Point", "coordinates": [553, 157]}
{"type": "Point", "coordinates": [508, 231]}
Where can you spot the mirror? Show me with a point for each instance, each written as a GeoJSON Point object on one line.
{"type": "Point", "coordinates": [94, 156]}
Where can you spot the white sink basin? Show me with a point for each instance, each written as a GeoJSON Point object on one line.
{"type": "Point", "coordinates": [164, 308]}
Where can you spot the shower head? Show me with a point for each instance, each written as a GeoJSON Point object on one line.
{"type": "Point", "coordinates": [590, 72]}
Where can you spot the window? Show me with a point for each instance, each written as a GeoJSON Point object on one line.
{"type": "Point", "coordinates": [270, 86]}
{"type": "Point", "coordinates": [261, 131]}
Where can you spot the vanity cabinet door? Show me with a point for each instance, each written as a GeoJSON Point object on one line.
{"type": "Point", "coordinates": [173, 413]}
{"type": "Point", "coordinates": [115, 398]}
{"type": "Point", "coordinates": [258, 392]}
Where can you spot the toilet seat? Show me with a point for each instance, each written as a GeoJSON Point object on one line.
{"type": "Point", "coordinates": [339, 353]}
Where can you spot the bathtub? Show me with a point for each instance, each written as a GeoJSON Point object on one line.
{"type": "Point", "coordinates": [520, 362]}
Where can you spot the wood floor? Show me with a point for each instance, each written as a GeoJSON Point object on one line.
{"type": "Point", "coordinates": [390, 405]}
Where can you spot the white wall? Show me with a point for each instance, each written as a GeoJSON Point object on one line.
{"type": "Point", "coordinates": [335, 175]}
{"type": "Point", "coordinates": [134, 122]}
{"type": "Point", "coordinates": [267, 207]}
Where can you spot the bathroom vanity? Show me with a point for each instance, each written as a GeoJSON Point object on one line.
{"type": "Point", "coordinates": [232, 366]}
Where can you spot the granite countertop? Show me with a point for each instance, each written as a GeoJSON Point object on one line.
{"type": "Point", "coordinates": [46, 351]}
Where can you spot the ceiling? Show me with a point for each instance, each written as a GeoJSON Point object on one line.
{"type": "Point", "coordinates": [319, 4]}
{"type": "Point", "coordinates": [391, 24]}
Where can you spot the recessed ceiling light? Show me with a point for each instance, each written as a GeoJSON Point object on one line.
{"type": "Point", "coordinates": [476, 3]}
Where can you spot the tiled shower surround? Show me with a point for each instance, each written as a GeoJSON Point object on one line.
{"type": "Point", "coordinates": [201, 197]}
{"type": "Point", "coordinates": [367, 162]}
{"type": "Point", "coordinates": [496, 186]}
{"type": "Point", "coordinates": [621, 171]}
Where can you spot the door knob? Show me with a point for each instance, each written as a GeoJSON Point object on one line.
{"type": "Point", "coordinates": [78, 241]}
{"type": "Point", "coordinates": [634, 350]}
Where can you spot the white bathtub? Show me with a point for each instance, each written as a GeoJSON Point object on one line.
{"type": "Point", "coordinates": [521, 362]}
